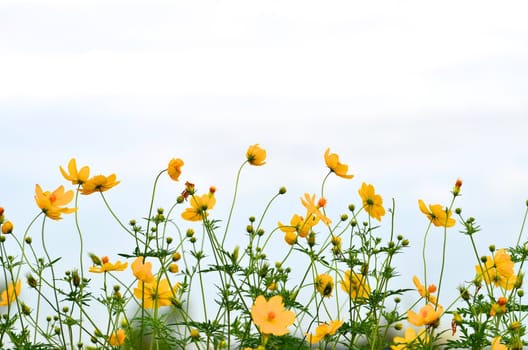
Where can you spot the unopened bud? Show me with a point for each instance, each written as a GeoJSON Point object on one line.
{"type": "Point", "coordinates": [7, 227]}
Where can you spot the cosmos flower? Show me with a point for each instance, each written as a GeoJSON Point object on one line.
{"type": "Point", "coordinates": [356, 285]}
{"type": "Point", "coordinates": [324, 284]}
{"type": "Point", "coordinates": [299, 225]}
{"type": "Point", "coordinates": [199, 207]}
{"type": "Point", "coordinates": [313, 209]}
{"type": "Point", "coordinates": [324, 330]}
{"type": "Point", "coordinates": [372, 202]}
{"type": "Point", "coordinates": [117, 338]}
{"type": "Point", "coordinates": [498, 270]}
{"type": "Point", "coordinates": [53, 203]}
{"type": "Point", "coordinates": [154, 294]}
{"type": "Point", "coordinates": [11, 293]}
{"type": "Point", "coordinates": [142, 270]}
{"type": "Point", "coordinates": [332, 162]}
{"type": "Point", "coordinates": [427, 315]}
{"type": "Point", "coordinates": [107, 266]}
{"type": "Point", "coordinates": [437, 214]}
{"type": "Point", "coordinates": [77, 177]}
{"type": "Point", "coordinates": [410, 340]}
{"type": "Point", "coordinates": [174, 168]}
{"type": "Point", "coordinates": [425, 293]}
{"type": "Point", "coordinates": [270, 316]}
{"type": "Point", "coordinates": [256, 155]}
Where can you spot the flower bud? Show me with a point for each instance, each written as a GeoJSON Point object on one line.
{"type": "Point", "coordinates": [28, 240]}
{"type": "Point", "coordinates": [176, 256]}
{"type": "Point", "coordinates": [282, 190]}
{"type": "Point", "coordinates": [174, 268]}
{"type": "Point", "coordinates": [7, 227]}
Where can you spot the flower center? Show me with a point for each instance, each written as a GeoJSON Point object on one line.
{"type": "Point", "coordinates": [271, 316]}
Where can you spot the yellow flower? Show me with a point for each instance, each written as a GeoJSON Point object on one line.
{"type": "Point", "coordinates": [437, 214]}
{"type": "Point", "coordinates": [7, 227]}
{"type": "Point", "coordinates": [99, 183]}
{"type": "Point", "coordinates": [499, 307]}
{"type": "Point", "coordinates": [425, 293]}
{"type": "Point", "coordinates": [142, 270]}
{"type": "Point", "coordinates": [496, 344]}
{"type": "Point", "coordinates": [174, 268]}
{"type": "Point", "coordinates": [410, 340]}
{"type": "Point", "coordinates": [174, 168]}
{"type": "Point", "coordinates": [427, 315]}
{"type": "Point", "coordinates": [313, 209]}
{"type": "Point", "coordinates": [199, 207]}
{"type": "Point", "coordinates": [299, 225]}
{"type": "Point", "coordinates": [270, 317]}
{"type": "Point", "coordinates": [332, 161]}
{"type": "Point", "coordinates": [117, 338]}
{"type": "Point", "coordinates": [107, 266]}
{"type": "Point", "coordinates": [324, 330]}
{"type": "Point", "coordinates": [324, 283]}
{"type": "Point", "coordinates": [290, 237]}
{"type": "Point", "coordinates": [52, 203]}
{"type": "Point", "coordinates": [11, 293]}
{"type": "Point", "coordinates": [76, 177]}
{"type": "Point", "coordinates": [355, 285]}
{"type": "Point", "coordinates": [256, 155]}
{"type": "Point", "coordinates": [155, 294]}
{"type": "Point", "coordinates": [372, 202]}
{"type": "Point", "coordinates": [498, 270]}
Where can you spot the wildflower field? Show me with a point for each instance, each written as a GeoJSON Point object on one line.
{"type": "Point", "coordinates": [194, 280]}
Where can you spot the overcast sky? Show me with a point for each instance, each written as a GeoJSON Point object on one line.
{"type": "Point", "coordinates": [411, 95]}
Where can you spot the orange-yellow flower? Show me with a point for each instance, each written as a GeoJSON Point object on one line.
{"type": "Point", "coordinates": [410, 340]}
{"type": "Point", "coordinates": [499, 307]}
{"type": "Point", "coordinates": [117, 338]}
{"type": "Point", "coordinates": [256, 155]}
{"type": "Point", "coordinates": [290, 237]}
{"type": "Point", "coordinates": [324, 330]}
{"type": "Point", "coordinates": [142, 270]}
{"type": "Point", "coordinates": [324, 284]}
{"type": "Point", "coordinates": [427, 315]}
{"type": "Point", "coordinates": [107, 266]}
{"type": "Point", "coordinates": [332, 161]}
{"type": "Point", "coordinates": [155, 294]}
{"type": "Point", "coordinates": [299, 225]}
{"type": "Point", "coordinates": [99, 183]}
{"type": "Point", "coordinates": [313, 209]}
{"type": "Point", "coordinates": [11, 293]}
{"type": "Point", "coordinates": [174, 168]}
{"type": "Point", "coordinates": [372, 202]}
{"type": "Point", "coordinates": [77, 177]}
{"type": "Point", "coordinates": [498, 270]}
{"type": "Point", "coordinates": [7, 227]}
{"type": "Point", "coordinates": [270, 316]}
{"type": "Point", "coordinates": [199, 207]}
{"type": "Point", "coordinates": [425, 293]}
{"type": "Point", "coordinates": [437, 214]}
{"type": "Point", "coordinates": [496, 344]}
{"type": "Point", "coordinates": [356, 285]}
{"type": "Point", "coordinates": [52, 203]}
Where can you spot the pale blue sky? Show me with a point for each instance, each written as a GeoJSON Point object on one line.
{"type": "Point", "coordinates": [410, 95]}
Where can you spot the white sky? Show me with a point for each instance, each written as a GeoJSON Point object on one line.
{"type": "Point", "coordinates": [411, 95]}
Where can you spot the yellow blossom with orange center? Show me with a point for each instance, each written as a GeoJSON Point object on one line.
{"type": "Point", "coordinates": [324, 330]}
{"type": "Point", "coordinates": [256, 155]}
{"type": "Point", "coordinates": [77, 177]}
{"type": "Point", "coordinates": [11, 293]}
{"type": "Point", "coordinates": [199, 207]}
{"type": "Point", "coordinates": [53, 203]}
{"type": "Point", "coordinates": [428, 315]}
{"type": "Point", "coordinates": [99, 183]}
{"type": "Point", "coordinates": [356, 285]}
{"type": "Point", "coordinates": [438, 215]}
{"type": "Point", "coordinates": [270, 316]}
{"type": "Point", "coordinates": [372, 202]}
{"type": "Point", "coordinates": [332, 162]}
{"type": "Point", "coordinates": [174, 168]}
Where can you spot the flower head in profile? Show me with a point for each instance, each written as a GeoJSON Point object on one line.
{"type": "Point", "coordinates": [174, 168]}
{"type": "Point", "coordinates": [99, 183]}
{"type": "Point", "coordinates": [199, 207]}
{"type": "Point", "coordinates": [324, 330]}
{"type": "Point", "coordinates": [117, 338]}
{"type": "Point", "coordinates": [324, 284]}
{"type": "Point", "coordinates": [332, 162]}
{"type": "Point", "coordinates": [11, 293]}
{"type": "Point", "coordinates": [77, 177]}
{"type": "Point", "coordinates": [107, 266]}
{"type": "Point", "coordinates": [299, 225]}
{"type": "Point", "coordinates": [496, 344]}
{"type": "Point", "coordinates": [256, 155]}
{"type": "Point", "coordinates": [425, 292]}
{"type": "Point", "coordinates": [410, 340]}
{"type": "Point", "coordinates": [439, 216]}
{"type": "Point", "coordinates": [314, 209]}
{"type": "Point", "coordinates": [372, 202]}
{"type": "Point", "coordinates": [142, 270]}
{"type": "Point", "coordinates": [356, 285]}
{"type": "Point", "coordinates": [270, 316]}
{"type": "Point", "coordinates": [155, 294]}
{"type": "Point", "coordinates": [53, 203]}
{"type": "Point", "coordinates": [497, 270]}
{"type": "Point", "coordinates": [428, 315]}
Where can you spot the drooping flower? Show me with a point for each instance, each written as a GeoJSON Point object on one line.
{"type": "Point", "coordinates": [299, 225]}
{"type": "Point", "coordinates": [332, 161]}
{"type": "Point", "coordinates": [496, 344]}
{"type": "Point", "coordinates": [356, 285]}
{"type": "Point", "coordinates": [77, 177]}
{"type": "Point", "coordinates": [53, 203]}
{"type": "Point", "coordinates": [256, 155]}
{"type": "Point", "coordinates": [437, 214]}
{"type": "Point", "coordinates": [142, 270]}
{"type": "Point", "coordinates": [410, 340]}
{"type": "Point", "coordinates": [155, 294]}
{"type": "Point", "coordinates": [425, 293]}
{"type": "Point", "coordinates": [270, 316]}
{"type": "Point", "coordinates": [11, 293]}
{"type": "Point", "coordinates": [99, 183]}
{"type": "Point", "coordinates": [199, 207]}
{"type": "Point", "coordinates": [498, 270]}
{"type": "Point", "coordinates": [313, 209]}
{"type": "Point", "coordinates": [324, 284]}
{"type": "Point", "coordinates": [117, 338]}
{"type": "Point", "coordinates": [324, 330]}
{"type": "Point", "coordinates": [174, 168]}
{"type": "Point", "coordinates": [427, 315]}
{"type": "Point", "coordinates": [372, 202]}
{"type": "Point", "coordinates": [107, 266]}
